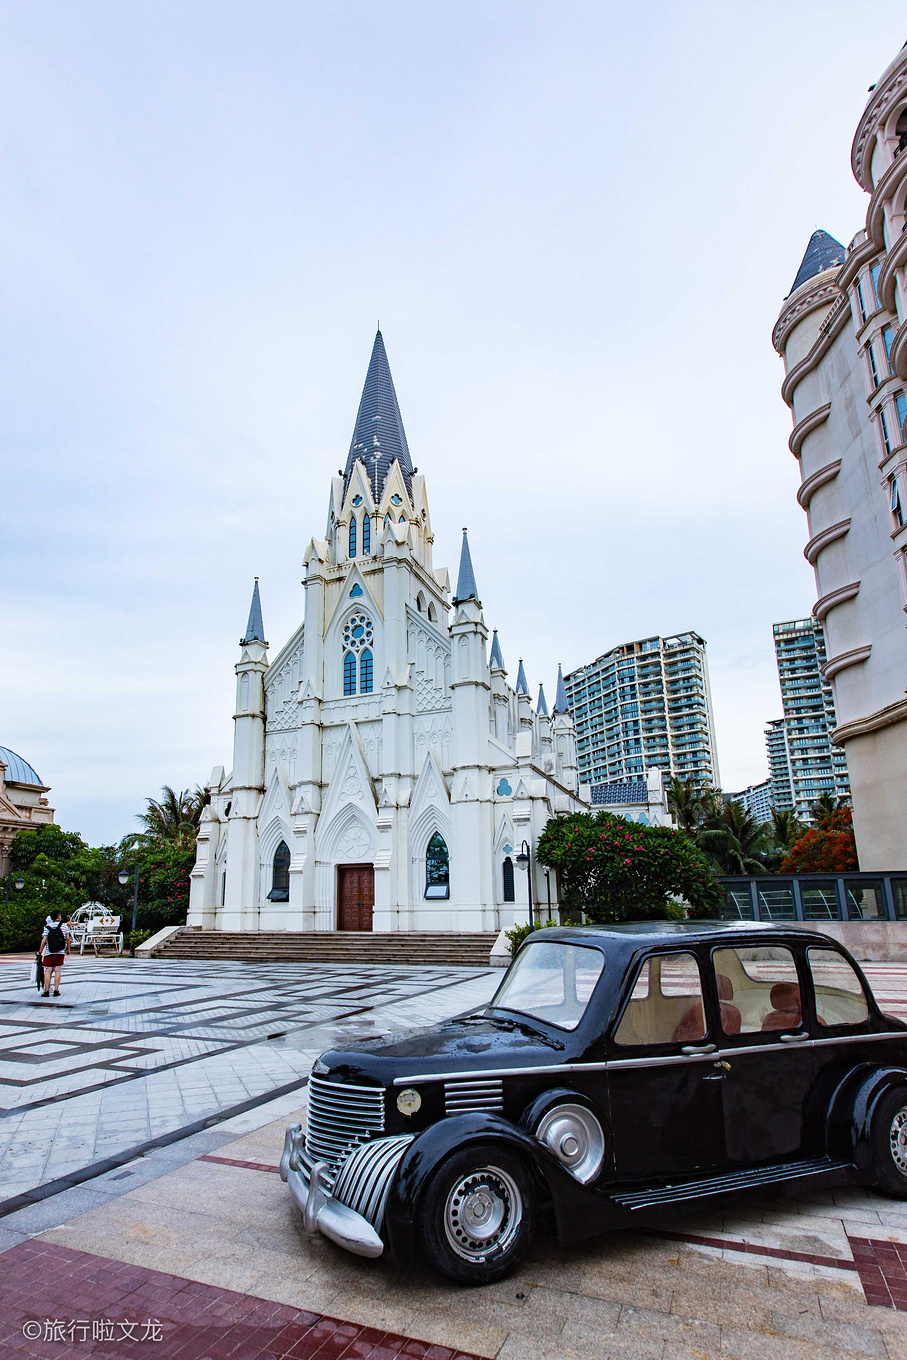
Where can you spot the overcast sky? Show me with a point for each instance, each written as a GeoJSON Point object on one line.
{"type": "Point", "coordinates": [576, 223]}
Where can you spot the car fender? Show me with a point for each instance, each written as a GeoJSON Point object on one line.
{"type": "Point", "coordinates": [574, 1204]}
{"type": "Point", "coordinates": [852, 1111]}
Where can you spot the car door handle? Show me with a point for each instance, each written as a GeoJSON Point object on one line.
{"type": "Point", "coordinates": [692, 1050]}
{"type": "Point", "coordinates": [792, 1038]}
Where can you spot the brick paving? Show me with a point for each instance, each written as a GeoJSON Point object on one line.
{"type": "Point", "coordinates": [787, 1275]}
{"type": "Point", "coordinates": [57, 1302]}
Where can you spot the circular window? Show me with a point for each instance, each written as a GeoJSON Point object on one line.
{"type": "Point", "coordinates": [357, 632]}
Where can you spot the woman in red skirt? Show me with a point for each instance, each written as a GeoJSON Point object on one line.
{"type": "Point", "coordinates": [54, 948]}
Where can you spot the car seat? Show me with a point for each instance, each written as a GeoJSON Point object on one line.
{"type": "Point", "coordinates": [787, 1013]}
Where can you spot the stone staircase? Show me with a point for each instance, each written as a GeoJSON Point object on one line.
{"type": "Point", "coordinates": [443, 948]}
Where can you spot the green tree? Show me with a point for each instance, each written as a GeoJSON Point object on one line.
{"type": "Point", "coordinates": [685, 803]}
{"type": "Point", "coordinates": [735, 841]}
{"type": "Point", "coordinates": [170, 820]}
{"type": "Point", "coordinates": [615, 870]}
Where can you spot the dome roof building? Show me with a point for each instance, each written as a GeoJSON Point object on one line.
{"type": "Point", "coordinates": [23, 805]}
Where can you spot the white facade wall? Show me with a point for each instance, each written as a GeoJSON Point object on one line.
{"type": "Point", "coordinates": [441, 745]}
{"type": "Point", "coordinates": [855, 544]}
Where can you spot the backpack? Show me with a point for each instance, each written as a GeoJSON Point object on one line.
{"type": "Point", "coordinates": [56, 940]}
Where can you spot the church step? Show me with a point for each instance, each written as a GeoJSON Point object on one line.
{"type": "Point", "coordinates": [465, 949]}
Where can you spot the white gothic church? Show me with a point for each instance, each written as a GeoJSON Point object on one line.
{"type": "Point", "coordinates": [385, 775]}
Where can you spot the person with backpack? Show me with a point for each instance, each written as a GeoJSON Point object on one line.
{"type": "Point", "coordinates": [54, 948]}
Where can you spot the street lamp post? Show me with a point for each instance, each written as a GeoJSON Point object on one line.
{"type": "Point", "coordinates": [18, 883]}
{"type": "Point", "coordinates": [123, 877]}
{"type": "Point", "coordinates": [524, 860]}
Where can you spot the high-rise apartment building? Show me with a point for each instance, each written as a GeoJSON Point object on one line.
{"type": "Point", "coordinates": [842, 332]}
{"type": "Point", "coordinates": [757, 800]}
{"type": "Point", "coordinates": [779, 764]}
{"type": "Point", "coordinates": [645, 705]}
{"type": "Point", "coordinates": [803, 761]}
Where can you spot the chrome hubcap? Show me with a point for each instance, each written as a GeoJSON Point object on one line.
{"type": "Point", "coordinates": [897, 1139]}
{"type": "Point", "coordinates": [576, 1138]}
{"type": "Point", "coordinates": [483, 1213]}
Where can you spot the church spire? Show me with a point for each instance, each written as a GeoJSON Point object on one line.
{"type": "Point", "coordinates": [378, 437]}
{"type": "Point", "coordinates": [560, 697]}
{"type": "Point", "coordinates": [255, 629]}
{"type": "Point", "coordinates": [466, 578]}
{"type": "Point", "coordinates": [541, 707]}
{"type": "Point", "coordinates": [522, 686]}
{"type": "Point", "coordinates": [497, 658]}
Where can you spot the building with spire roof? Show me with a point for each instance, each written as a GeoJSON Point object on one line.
{"type": "Point", "coordinates": [842, 333]}
{"type": "Point", "coordinates": [383, 769]}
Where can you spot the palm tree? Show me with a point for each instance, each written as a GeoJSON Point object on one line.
{"type": "Point", "coordinates": [734, 839]}
{"type": "Point", "coordinates": [173, 819]}
{"type": "Point", "coordinates": [685, 803]}
{"type": "Point", "coordinates": [825, 809]}
{"type": "Point", "coordinates": [786, 827]}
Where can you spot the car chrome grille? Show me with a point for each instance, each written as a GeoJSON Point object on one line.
{"type": "Point", "coordinates": [364, 1181]}
{"type": "Point", "coordinates": [460, 1097]}
{"type": "Point", "coordinates": [339, 1117]}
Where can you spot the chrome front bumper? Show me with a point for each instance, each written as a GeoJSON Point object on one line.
{"type": "Point", "coordinates": [364, 1175]}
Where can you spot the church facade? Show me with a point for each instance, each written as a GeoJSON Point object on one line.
{"type": "Point", "coordinates": [385, 774]}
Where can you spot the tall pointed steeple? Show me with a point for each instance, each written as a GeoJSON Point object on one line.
{"type": "Point", "coordinates": [255, 629]}
{"type": "Point", "coordinates": [378, 437]}
{"type": "Point", "coordinates": [466, 577]}
{"type": "Point", "coordinates": [541, 707]}
{"type": "Point", "coordinates": [522, 686]}
{"type": "Point", "coordinates": [560, 697]}
{"type": "Point", "coordinates": [497, 658]}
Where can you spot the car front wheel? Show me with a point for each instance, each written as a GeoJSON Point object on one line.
{"type": "Point", "coordinates": [889, 1144]}
{"type": "Point", "coordinates": [478, 1214]}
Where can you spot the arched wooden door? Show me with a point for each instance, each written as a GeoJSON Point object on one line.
{"type": "Point", "coordinates": [355, 896]}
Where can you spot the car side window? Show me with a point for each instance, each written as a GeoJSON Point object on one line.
{"type": "Point", "coordinates": [758, 989]}
{"type": "Point", "coordinates": [666, 1003]}
{"type": "Point", "coordinates": [840, 999]}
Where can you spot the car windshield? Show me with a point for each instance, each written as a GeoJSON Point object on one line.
{"type": "Point", "coordinates": [551, 981]}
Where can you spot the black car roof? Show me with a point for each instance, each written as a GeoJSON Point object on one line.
{"type": "Point", "coordinates": [634, 934]}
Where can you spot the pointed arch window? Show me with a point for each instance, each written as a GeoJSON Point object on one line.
{"type": "Point", "coordinates": [509, 894]}
{"type": "Point", "coordinates": [366, 535]}
{"type": "Point", "coordinates": [353, 536]}
{"type": "Point", "coordinates": [280, 874]}
{"type": "Point", "coordinates": [431, 613]}
{"type": "Point", "coordinates": [349, 674]}
{"type": "Point", "coordinates": [366, 672]}
{"type": "Point", "coordinates": [437, 868]}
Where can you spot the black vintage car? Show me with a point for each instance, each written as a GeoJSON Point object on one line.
{"type": "Point", "coordinates": [618, 1070]}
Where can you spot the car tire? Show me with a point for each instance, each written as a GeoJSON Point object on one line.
{"type": "Point", "coordinates": [889, 1144]}
{"type": "Point", "coordinates": [477, 1215]}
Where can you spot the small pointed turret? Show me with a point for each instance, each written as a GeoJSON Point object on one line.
{"type": "Point", "coordinates": [255, 629]}
{"type": "Point", "coordinates": [378, 436]}
{"type": "Point", "coordinates": [466, 579]}
{"type": "Point", "coordinates": [560, 696]}
{"type": "Point", "coordinates": [522, 686]}
{"type": "Point", "coordinates": [823, 252]}
{"type": "Point", "coordinates": [497, 659]}
{"type": "Point", "coordinates": [541, 707]}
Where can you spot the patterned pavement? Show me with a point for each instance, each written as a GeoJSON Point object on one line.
{"type": "Point", "coordinates": [134, 1051]}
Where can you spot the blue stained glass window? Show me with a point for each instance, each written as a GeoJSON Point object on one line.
{"type": "Point", "coordinates": [357, 590]}
{"type": "Point", "coordinates": [352, 538]}
{"type": "Point", "coordinates": [349, 674]}
{"type": "Point", "coordinates": [367, 534]}
{"type": "Point", "coordinates": [357, 500]}
{"type": "Point", "coordinates": [365, 673]}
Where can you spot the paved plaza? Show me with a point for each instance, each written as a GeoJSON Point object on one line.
{"type": "Point", "coordinates": [137, 1052]}
{"type": "Point", "coordinates": [197, 1243]}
